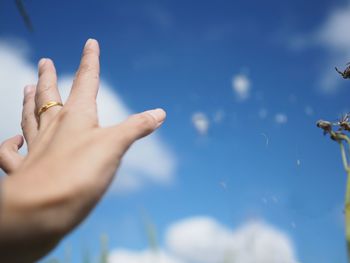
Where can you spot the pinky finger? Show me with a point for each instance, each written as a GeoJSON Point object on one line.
{"type": "Point", "coordinates": [29, 122]}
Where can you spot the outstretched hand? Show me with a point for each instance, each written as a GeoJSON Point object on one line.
{"type": "Point", "coordinates": [70, 162]}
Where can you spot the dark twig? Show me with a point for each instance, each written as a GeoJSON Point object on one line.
{"type": "Point", "coordinates": [24, 14]}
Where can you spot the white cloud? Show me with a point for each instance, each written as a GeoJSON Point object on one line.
{"type": "Point", "coordinates": [141, 163]}
{"type": "Point", "coordinates": [334, 35]}
{"type": "Point", "coordinates": [335, 31]}
{"type": "Point", "coordinates": [204, 240]}
{"type": "Point", "coordinates": [199, 239]}
{"type": "Point", "coordinates": [15, 73]}
{"type": "Point", "coordinates": [201, 122]}
{"type": "Point", "coordinates": [281, 118]}
{"type": "Point", "coordinates": [241, 86]}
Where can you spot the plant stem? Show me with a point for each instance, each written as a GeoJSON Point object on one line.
{"type": "Point", "coordinates": [347, 193]}
{"type": "Point", "coordinates": [343, 157]}
{"type": "Point", "coordinates": [347, 213]}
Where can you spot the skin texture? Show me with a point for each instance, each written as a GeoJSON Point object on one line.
{"type": "Point", "coordinates": [70, 162]}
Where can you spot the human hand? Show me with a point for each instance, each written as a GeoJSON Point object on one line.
{"type": "Point", "coordinates": [70, 163]}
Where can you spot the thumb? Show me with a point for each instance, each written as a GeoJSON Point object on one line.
{"type": "Point", "coordinates": [135, 127]}
{"type": "Point", "coordinates": [10, 159]}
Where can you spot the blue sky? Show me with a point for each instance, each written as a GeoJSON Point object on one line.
{"type": "Point", "coordinates": [183, 56]}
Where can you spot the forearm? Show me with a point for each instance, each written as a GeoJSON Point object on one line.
{"type": "Point", "coordinates": [26, 234]}
{"type": "Point", "coordinates": [37, 209]}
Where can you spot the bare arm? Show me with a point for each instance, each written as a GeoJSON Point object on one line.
{"type": "Point", "coordinates": [70, 163]}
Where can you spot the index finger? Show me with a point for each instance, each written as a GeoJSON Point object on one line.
{"type": "Point", "coordinates": [86, 83]}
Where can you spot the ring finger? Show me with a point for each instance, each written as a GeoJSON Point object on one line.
{"type": "Point", "coordinates": [47, 91]}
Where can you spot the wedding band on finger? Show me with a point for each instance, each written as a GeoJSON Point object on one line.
{"type": "Point", "coordinates": [47, 106]}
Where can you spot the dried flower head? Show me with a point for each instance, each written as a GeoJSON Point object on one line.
{"type": "Point", "coordinates": [326, 126]}
{"type": "Point", "coordinates": [337, 136]}
{"type": "Point", "coordinates": [343, 123]}
{"type": "Point", "coordinates": [346, 73]}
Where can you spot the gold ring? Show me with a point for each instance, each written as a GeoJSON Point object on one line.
{"type": "Point", "coordinates": [48, 106]}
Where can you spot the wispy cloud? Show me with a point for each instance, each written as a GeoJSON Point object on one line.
{"type": "Point", "coordinates": [200, 122]}
{"type": "Point", "coordinates": [141, 164]}
{"type": "Point", "coordinates": [219, 116]}
{"type": "Point", "coordinates": [334, 32]}
{"type": "Point", "coordinates": [241, 86]}
{"type": "Point", "coordinates": [263, 113]}
{"type": "Point", "coordinates": [309, 111]}
{"type": "Point", "coordinates": [281, 118]}
{"type": "Point", "coordinates": [205, 240]}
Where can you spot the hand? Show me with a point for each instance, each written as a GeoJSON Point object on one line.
{"type": "Point", "coordinates": [70, 163]}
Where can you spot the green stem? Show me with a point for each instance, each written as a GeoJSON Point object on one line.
{"type": "Point", "coordinates": [346, 138]}
{"type": "Point", "coordinates": [347, 194]}
{"type": "Point", "coordinates": [347, 214]}
{"type": "Point", "coordinates": [343, 157]}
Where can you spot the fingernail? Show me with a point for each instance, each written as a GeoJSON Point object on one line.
{"type": "Point", "coordinates": [158, 114]}
{"type": "Point", "coordinates": [42, 62]}
{"type": "Point", "coordinates": [28, 89]}
{"type": "Point", "coordinates": [89, 42]}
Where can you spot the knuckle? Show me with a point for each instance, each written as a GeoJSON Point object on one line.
{"type": "Point", "coordinates": [88, 69]}
{"type": "Point", "coordinates": [145, 121]}
{"type": "Point", "coordinates": [27, 117]}
{"type": "Point", "coordinates": [64, 112]}
{"type": "Point", "coordinates": [44, 89]}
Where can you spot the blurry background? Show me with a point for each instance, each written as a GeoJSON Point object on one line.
{"type": "Point", "coordinates": [239, 172]}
